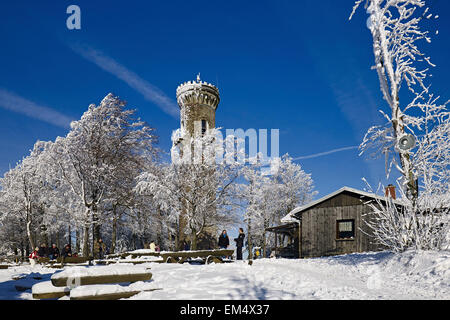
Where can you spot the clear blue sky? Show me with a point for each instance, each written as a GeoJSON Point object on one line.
{"type": "Point", "coordinates": [299, 66]}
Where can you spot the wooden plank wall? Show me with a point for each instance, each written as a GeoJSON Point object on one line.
{"type": "Point", "coordinates": [319, 227]}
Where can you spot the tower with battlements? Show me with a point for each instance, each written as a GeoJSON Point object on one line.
{"type": "Point", "coordinates": [198, 102]}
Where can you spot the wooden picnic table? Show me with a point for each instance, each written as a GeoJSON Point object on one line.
{"type": "Point", "coordinates": [208, 256]}
{"type": "Point", "coordinates": [65, 260]}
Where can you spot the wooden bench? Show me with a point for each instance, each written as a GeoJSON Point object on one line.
{"type": "Point", "coordinates": [100, 279]}
{"type": "Point", "coordinates": [208, 256]}
{"type": "Point", "coordinates": [108, 262]}
{"type": "Point", "coordinates": [94, 284]}
{"type": "Point", "coordinates": [113, 294]}
{"type": "Point", "coordinates": [46, 290]}
{"type": "Point", "coordinates": [133, 255]}
{"type": "Point", "coordinates": [61, 261]}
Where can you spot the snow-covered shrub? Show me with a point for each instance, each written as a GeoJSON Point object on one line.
{"type": "Point", "coordinates": [402, 225]}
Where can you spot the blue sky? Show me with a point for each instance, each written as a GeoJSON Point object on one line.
{"type": "Point", "coordinates": [297, 66]}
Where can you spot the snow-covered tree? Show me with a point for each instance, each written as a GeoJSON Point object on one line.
{"type": "Point", "coordinates": [98, 154]}
{"type": "Point", "coordinates": [196, 195]}
{"type": "Point", "coordinates": [396, 33]}
{"type": "Point", "coordinates": [396, 30]}
{"type": "Point", "coordinates": [271, 196]}
{"type": "Point", "coordinates": [24, 197]}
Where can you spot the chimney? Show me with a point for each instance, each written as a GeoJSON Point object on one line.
{"type": "Point", "coordinates": [390, 191]}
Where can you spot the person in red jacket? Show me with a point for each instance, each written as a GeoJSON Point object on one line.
{"type": "Point", "coordinates": [34, 256]}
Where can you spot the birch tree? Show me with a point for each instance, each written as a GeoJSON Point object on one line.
{"type": "Point", "coordinates": [396, 33]}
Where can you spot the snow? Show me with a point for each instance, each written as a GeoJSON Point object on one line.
{"type": "Point", "coordinates": [47, 287]}
{"type": "Point", "coordinates": [101, 289]}
{"type": "Point", "coordinates": [142, 251]}
{"type": "Point", "coordinates": [423, 275]}
{"type": "Point", "coordinates": [380, 275]}
{"type": "Point", "coordinates": [94, 271]}
{"type": "Point", "coordinates": [27, 275]}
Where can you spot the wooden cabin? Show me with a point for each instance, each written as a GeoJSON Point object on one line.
{"type": "Point", "coordinates": [331, 225]}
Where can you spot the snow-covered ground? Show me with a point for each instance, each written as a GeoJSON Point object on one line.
{"type": "Point", "coordinates": [382, 275]}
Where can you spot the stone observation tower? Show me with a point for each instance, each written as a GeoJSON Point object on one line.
{"type": "Point", "coordinates": [198, 101]}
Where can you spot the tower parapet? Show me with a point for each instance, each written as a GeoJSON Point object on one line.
{"type": "Point", "coordinates": [198, 101]}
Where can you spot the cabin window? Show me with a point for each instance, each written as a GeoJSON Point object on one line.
{"type": "Point", "coordinates": [345, 229]}
{"type": "Point", "coordinates": [203, 127]}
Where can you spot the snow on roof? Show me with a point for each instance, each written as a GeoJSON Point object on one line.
{"type": "Point", "coordinates": [290, 216]}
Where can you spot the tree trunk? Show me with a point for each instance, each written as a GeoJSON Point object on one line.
{"type": "Point", "coordinates": [114, 235]}
{"type": "Point", "coordinates": [194, 241]}
{"type": "Point", "coordinates": [266, 225]}
{"type": "Point", "coordinates": [96, 224]}
{"type": "Point", "coordinates": [86, 240]}
{"type": "Point", "coordinates": [249, 240]}
{"type": "Point", "coordinates": [390, 90]}
{"type": "Point", "coordinates": [70, 236]}
{"type": "Point", "coordinates": [29, 234]}
{"type": "Point", "coordinates": [77, 240]}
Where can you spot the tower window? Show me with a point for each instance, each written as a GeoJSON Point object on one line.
{"type": "Point", "coordinates": [203, 127]}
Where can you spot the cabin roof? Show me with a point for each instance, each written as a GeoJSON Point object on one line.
{"type": "Point", "coordinates": [290, 217]}
{"type": "Point", "coordinates": [284, 228]}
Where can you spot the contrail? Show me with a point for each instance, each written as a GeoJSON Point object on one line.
{"type": "Point", "coordinates": [325, 153]}
{"type": "Point", "coordinates": [149, 91]}
{"type": "Point", "coordinates": [13, 102]}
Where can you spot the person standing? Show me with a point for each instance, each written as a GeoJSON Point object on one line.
{"type": "Point", "coordinates": [34, 256]}
{"type": "Point", "coordinates": [224, 241]}
{"type": "Point", "coordinates": [99, 249]}
{"type": "Point", "coordinates": [239, 244]}
{"type": "Point", "coordinates": [152, 246]}
{"type": "Point", "coordinates": [186, 246]}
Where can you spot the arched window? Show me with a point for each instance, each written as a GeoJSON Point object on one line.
{"type": "Point", "coordinates": [204, 126]}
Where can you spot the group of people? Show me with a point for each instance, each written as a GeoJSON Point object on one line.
{"type": "Point", "coordinates": [224, 242]}
{"type": "Point", "coordinates": [100, 249]}
{"type": "Point", "coordinates": [52, 253]}
{"type": "Point", "coordinates": [154, 247]}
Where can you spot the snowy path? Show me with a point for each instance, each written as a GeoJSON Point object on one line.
{"type": "Point", "coordinates": [424, 275]}
{"type": "Point", "coordinates": [356, 276]}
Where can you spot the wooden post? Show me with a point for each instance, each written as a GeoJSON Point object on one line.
{"type": "Point", "coordinates": [276, 242]}
{"type": "Point", "coordinates": [300, 238]}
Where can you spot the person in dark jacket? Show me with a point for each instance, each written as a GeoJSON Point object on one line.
{"type": "Point", "coordinates": [43, 251]}
{"type": "Point", "coordinates": [53, 252]}
{"type": "Point", "coordinates": [224, 241]}
{"type": "Point", "coordinates": [239, 244]}
{"type": "Point", "coordinates": [99, 249]}
{"type": "Point", "coordinates": [67, 252]}
{"type": "Point", "coordinates": [186, 246]}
